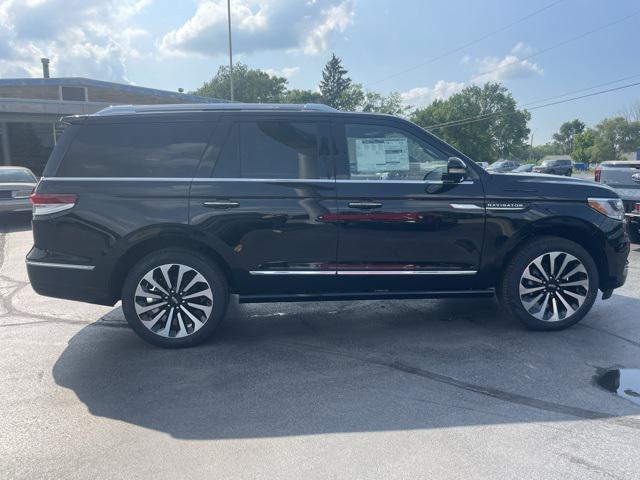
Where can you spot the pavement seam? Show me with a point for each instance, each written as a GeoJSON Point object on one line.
{"type": "Point", "coordinates": [503, 395]}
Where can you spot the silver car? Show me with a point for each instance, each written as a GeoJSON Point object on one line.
{"type": "Point", "coordinates": [624, 177]}
{"type": "Point", "coordinates": [16, 184]}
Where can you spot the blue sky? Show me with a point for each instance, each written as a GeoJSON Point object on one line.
{"type": "Point", "coordinates": [170, 44]}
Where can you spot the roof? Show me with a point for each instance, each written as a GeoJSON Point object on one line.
{"type": "Point", "coordinates": [88, 82]}
{"type": "Point", "coordinates": [200, 107]}
{"type": "Point", "coordinates": [556, 157]}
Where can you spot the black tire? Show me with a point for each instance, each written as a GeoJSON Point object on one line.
{"type": "Point", "coordinates": [215, 280]}
{"type": "Point", "coordinates": [509, 287]}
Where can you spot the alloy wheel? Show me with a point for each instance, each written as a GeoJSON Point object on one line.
{"type": "Point", "coordinates": [173, 300]}
{"type": "Point", "coordinates": [554, 286]}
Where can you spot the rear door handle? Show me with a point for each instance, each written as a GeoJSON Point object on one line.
{"type": "Point", "coordinates": [365, 205]}
{"type": "Point", "coordinates": [221, 204]}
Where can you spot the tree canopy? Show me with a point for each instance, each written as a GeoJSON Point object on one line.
{"type": "Point", "coordinates": [249, 85]}
{"type": "Point", "coordinates": [499, 129]}
{"type": "Point", "coordinates": [335, 85]}
{"type": "Point", "coordinates": [565, 135]}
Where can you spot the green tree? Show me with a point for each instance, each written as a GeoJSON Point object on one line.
{"type": "Point", "coordinates": [616, 136]}
{"type": "Point", "coordinates": [335, 86]}
{"type": "Point", "coordinates": [564, 136]}
{"type": "Point", "coordinates": [302, 96]}
{"type": "Point", "coordinates": [583, 146]}
{"type": "Point", "coordinates": [496, 129]}
{"type": "Point", "coordinates": [370, 101]}
{"type": "Point", "coordinates": [249, 85]}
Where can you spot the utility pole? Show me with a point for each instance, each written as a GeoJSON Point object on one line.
{"type": "Point", "coordinates": [230, 50]}
{"type": "Point", "coordinates": [531, 149]}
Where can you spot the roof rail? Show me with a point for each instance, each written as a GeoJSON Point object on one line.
{"type": "Point", "coordinates": [213, 107]}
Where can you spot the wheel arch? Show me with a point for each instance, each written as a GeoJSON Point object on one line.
{"type": "Point", "coordinates": [152, 243]}
{"type": "Point", "coordinates": [583, 233]}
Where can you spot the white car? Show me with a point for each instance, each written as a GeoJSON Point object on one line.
{"type": "Point", "coordinates": [16, 184]}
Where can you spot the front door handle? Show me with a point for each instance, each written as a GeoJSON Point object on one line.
{"type": "Point", "coordinates": [365, 205]}
{"type": "Point", "coordinates": [221, 204]}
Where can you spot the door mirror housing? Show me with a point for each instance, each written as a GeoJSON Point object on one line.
{"type": "Point", "coordinates": [456, 171]}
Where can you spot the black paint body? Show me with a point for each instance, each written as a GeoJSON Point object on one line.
{"type": "Point", "coordinates": [279, 225]}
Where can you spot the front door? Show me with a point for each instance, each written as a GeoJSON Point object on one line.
{"type": "Point", "coordinates": [402, 225]}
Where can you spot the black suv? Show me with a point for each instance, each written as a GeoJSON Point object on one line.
{"type": "Point", "coordinates": [173, 208]}
{"type": "Point", "coordinates": [558, 166]}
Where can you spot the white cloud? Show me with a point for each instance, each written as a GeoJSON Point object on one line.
{"type": "Point", "coordinates": [90, 38]}
{"type": "Point", "coordinates": [423, 96]}
{"type": "Point", "coordinates": [514, 65]}
{"type": "Point", "coordinates": [286, 72]}
{"type": "Point", "coordinates": [258, 25]}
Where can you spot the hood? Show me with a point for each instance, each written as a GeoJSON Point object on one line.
{"type": "Point", "coordinates": [554, 187]}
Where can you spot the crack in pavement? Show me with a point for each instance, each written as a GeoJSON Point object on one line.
{"type": "Point", "coordinates": [503, 395]}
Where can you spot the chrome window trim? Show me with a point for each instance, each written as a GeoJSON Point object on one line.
{"type": "Point", "coordinates": [70, 266]}
{"type": "Point", "coordinates": [279, 180]}
{"type": "Point", "coordinates": [363, 272]}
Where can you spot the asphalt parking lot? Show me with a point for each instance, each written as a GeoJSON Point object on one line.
{"type": "Point", "coordinates": [395, 389]}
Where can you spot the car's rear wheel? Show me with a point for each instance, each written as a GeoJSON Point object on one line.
{"type": "Point", "coordinates": [550, 283]}
{"type": "Point", "coordinates": [174, 298]}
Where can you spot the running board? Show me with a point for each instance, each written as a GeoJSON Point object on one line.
{"type": "Point", "coordinates": [384, 295]}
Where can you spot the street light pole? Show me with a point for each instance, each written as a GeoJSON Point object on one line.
{"type": "Point", "coordinates": [230, 50]}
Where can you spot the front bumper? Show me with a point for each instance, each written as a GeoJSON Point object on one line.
{"type": "Point", "coordinates": [15, 205]}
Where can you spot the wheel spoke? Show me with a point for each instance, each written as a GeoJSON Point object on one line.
{"type": "Point", "coordinates": [140, 309]}
{"type": "Point", "coordinates": [530, 303]}
{"type": "Point", "coordinates": [577, 269]}
{"type": "Point", "coordinates": [579, 297]}
{"type": "Point", "coordinates": [181, 271]}
{"type": "Point", "coordinates": [570, 309]}
{"type": "Point", "coordinates": [152, 323]}
{"type": "Point", "coordinates": [538, 263]}
{"type": "Point", "coordinates": [196, 320]}
{"type": "Point", "coordinates": [182, 330]}
{"type": "Point", "coordinates": [149, 278]}
{"type": "Point", "coordinates": [194, 280]}
{"type": "Point", "coordinates": [526, 291]}
{"type": "Point", "coordinates": [577, 283]}
{"type": "Point", "coordinates": [566, 261]}
{"type": "Point", "coordinates": [543, 308]}
{"type": "Point", "coordinates": [167, 327]}
{"type": "Point", "coordinates": [165, 273]}
{"type": "Point", "coordinates": [530, 277]}
{"type": "Point", "coordinates": [202, 293]}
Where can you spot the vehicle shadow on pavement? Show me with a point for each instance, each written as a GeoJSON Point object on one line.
{"type": "Point", "coordinates": [302, 369]}
{"type": "Point", "coordinates": [15, 222]}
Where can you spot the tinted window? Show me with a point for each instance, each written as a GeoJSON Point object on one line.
{"type": "Point", "coordinates": [272, 149]}
{"type": "Point", "coordinates": [136, 150]}
{"type": "Point", "coordinates": [378, 152]}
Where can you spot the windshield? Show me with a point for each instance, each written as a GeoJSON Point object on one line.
{"type": "Point", "coordinates": [16, 175]}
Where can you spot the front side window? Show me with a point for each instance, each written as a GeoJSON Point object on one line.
{"type": "Point", "coordinates": [272, 149]}
{"type": "Point", "coordinates": [136, 150]}
{"type": "Point", "coordinates": [378, 152]}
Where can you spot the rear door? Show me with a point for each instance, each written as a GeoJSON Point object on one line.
{"type": "Point", "coordinates": [401, 227]}
{"type": "Point", "coordinates": [265, 200]}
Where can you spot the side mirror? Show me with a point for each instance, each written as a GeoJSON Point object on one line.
{"type": "Point", "coordinates": [456, 171]}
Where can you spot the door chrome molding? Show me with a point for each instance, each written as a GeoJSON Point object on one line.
{"type": "Point", "coordinates": [465, 206]}
{"type": "Point", "coordinates": [363, 272]}
{"type": "Point", "coordinates": [70, 266]}
{"type": "Point", "coordinates": [407, 272]}
{"type": "Point", "coordinates": [292, 272]}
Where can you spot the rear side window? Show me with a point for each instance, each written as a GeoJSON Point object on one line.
{"type": "Point", "coordinates": [272, 149]}
{"type": "Point", "coordinates": [136, 150]}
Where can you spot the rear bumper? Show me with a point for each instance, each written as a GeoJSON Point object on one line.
{"type": "Point", "coordinates": [15, 205]}
{"type": "Point", "coordinates": [70, 281]}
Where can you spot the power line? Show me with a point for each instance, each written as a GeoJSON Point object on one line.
{"type": "Point", "coordinates": [523, 105]}
{"type": "Point", "coordinates": [566, 42]}
{"type": "Point", "coordinates": [479, 118]}
{"type": "Point", "coordinates": [466, 45]}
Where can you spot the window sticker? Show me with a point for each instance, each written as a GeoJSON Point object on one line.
{"type": "Point", "coordinates": [382, 154]}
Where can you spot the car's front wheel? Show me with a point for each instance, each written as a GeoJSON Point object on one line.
{"type": "Point", "coordinates": [549, 284]}
{"type": "Point", "coordinates": [174, 298]}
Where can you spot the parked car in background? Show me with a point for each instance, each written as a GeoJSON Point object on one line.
{"type": "Point", "coordinates": [624, 177]}
{"type": "Point", "coordinates": [526, 168]}
{"type": "Point", "coordinates": [503, 166]}
{"type": "Point", "coordinates": [484, 165]}
{"type": "Point", "coordinates": [16, 184]}
{"type": "Point", "coordinates": [172, 208]}
{"type": "Point", "coordinates": [580, 166]}
{"type": "Point", "coordinates": [555, 167]}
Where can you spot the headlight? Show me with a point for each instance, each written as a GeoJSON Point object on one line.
{"type": "Point", "coordinates": [611, 207]}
